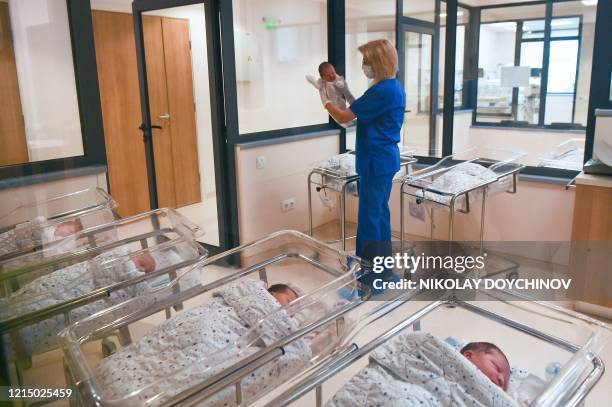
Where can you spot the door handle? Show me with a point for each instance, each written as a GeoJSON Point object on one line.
{"type": "Point", "coordinates": [165, 116]}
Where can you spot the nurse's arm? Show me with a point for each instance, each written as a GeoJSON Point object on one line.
{"type": "Point", "coordinates": [340, 115]}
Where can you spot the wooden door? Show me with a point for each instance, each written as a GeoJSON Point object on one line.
{"type": "Point", "coordinates": [170, 86]}
{"type": "Point", "coordinates": [158, 104]}
{"type": "Point", "coordinates": [13, 146]}
{"type": "Point", "coordinates": [118, 78]}
{"type": "Point", "coordinates": [181, 103]}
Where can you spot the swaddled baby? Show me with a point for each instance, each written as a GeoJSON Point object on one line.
{"type": "Point", "coordinates": [332, 87]}
{"type": "Point", "coordinates": [490, 360]}
{"type": "Point", "coordinates": [75, 281]}
{"type": "Point", "coordinates": [34, 233]}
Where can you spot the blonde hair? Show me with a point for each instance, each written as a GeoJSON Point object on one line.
{"type": "Point", "coordinates": [382, 57]}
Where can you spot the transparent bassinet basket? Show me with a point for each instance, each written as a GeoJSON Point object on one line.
{"type": "Point", "coordinates": [465, 175]}
{"type": "Point", "coordinates": [532, 334]}
{"type": "Point", "coordinates": [28, 226]}
{"type": "Point", "coordinates": [323, 277]}
{"type": "Point", "coordinates": [339, 170]}
{"type": "Point", "coordinates": [31, 317]}
{"type": "Point", "coordinates": [135, 232]}
{"type": "Point", "coordinates": [568, 155]}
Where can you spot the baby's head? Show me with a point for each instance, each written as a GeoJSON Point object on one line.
{"type": "Point", "coordinates": [283, 293]}
{"type": "Point", "coordinates": [327, 72]}
{"type": "Point", "coordinates": [144, 262]}
{"type": "Point", "coordinates": [490, 360]}
{"type": "Point", "coordinates": [70, 227]}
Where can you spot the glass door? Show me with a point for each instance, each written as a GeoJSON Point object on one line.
{"type": "Point", "coordinates": [182, 139]}
{"type": "Point", "coordinates": [416, 54]}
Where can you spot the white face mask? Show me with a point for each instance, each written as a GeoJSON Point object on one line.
{"type": "Point", "coordinates": [367, 71]}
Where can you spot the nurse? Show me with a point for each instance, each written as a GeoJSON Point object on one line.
{"type": "Point", "coordinates": [380, 114]}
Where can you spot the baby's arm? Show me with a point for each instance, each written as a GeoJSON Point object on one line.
{"type": "Point", "coordinates": [317, 83]}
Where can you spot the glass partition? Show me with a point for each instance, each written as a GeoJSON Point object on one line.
{"type": "Point", "coordinates": [276, 44]}
{"type": "Point", "coordinates": [365, 21]}
{"type": "Point", "coordinates": [39, 119]}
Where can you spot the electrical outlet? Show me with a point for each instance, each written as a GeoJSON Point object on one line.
{"type": "Point", "coordinates": [260, 162]}
{"type": "Point", "coordinates": [288, 205]}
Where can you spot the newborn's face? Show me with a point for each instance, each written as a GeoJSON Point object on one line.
{"type": "Point", "coordinates": [285, 298]}
{"type": "Point", "coordinates": [68, 228]}
{"type": "Point", "coordinates": [492, 364]}
{"type": "Point", "coordinates": [145, 263]}
{"type": "Point", "coordinates": [329, 74]}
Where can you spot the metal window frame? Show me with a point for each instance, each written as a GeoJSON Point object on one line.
{"type": "Point", "coordinates": [547, 39]}
{"type": "Point", "coordinates": [88, 97]}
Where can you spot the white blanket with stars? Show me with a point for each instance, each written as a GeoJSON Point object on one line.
{"type": "Point", "coordinates": [196, 344]}
{"type": "Point", "coordinates": [418, 369]}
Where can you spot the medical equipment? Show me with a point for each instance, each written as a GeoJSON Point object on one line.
{"type": "Point", "coordinates": [136, 232]}
{"type": "Point", "coordinates": [568, 155]}
{"type": "Point", "coordinates": [508, 317]}
{"type": "Point", "coordinates": [338, 174]}
{"type": "Point", "coordinates": [30, 225]}
{"type": "Point", "coordinates": [328, 275]}
{"type": "Point", "coordinates": [31, 318]}
{"type": "Point", "coordinates": [457, 181]}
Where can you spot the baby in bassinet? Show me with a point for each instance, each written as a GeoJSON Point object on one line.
{"type": "Point", "coordinates": [33, 233]}
{"type": "Point", "coordinates": [242, 318]}
{"type": "Point", "coordinates": [490, 360]}
{"type": "Point", "coordinates": [77, 280]}
{"type": "Point", "coordinates": [416, 369]}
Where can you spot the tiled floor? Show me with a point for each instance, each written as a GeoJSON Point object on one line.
{"type": "Point", "coordinates": [204, 214]}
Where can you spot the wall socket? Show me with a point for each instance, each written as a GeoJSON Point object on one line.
{"type": "Point", "coordinates": [288, 205]}
{"type": "Point", "coordinates": [260, 162]}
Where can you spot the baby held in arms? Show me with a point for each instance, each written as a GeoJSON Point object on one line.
{"type": "Point", "coordinates": [490, 360]}
{"type": "Point", "coordinates": [332, 87]}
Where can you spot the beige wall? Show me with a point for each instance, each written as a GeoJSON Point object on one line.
{"type": "Point", "coordinates": [260, 191]}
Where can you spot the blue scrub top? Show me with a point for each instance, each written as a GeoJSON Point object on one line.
{"type": "Point", "coordinates": [380, 114]}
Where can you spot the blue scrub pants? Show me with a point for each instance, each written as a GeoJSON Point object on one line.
{"type": "Point", "coordinates": [374, 221]}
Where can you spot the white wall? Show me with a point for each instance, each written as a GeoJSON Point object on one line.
{"type": "Point", "coordinates": [45, 71]}
{"type": "Point", "coordinates": [496, 48]}
{"type": "Point", "coordinates": [272, 91]}
{"type": "Point", "coordinates": [260, 191]}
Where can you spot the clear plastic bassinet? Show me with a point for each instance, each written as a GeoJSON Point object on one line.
{"type": "Point", "coordinates": [568, 155]}
{"type": "Point", "coordinates": [533, 335]}
{"type": "Point", "coordinates": [327, 276]}
{"type": "Point", "coordinates": [135, 232]}
{"type": "Point", "coordinates": [460, 179]}
{"type": "Point", "coordinates": [339, 171]}
{"type": "Point", "coordinates": [27, 226]}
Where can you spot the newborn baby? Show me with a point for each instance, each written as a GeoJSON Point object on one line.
{"type": "Point", "coordinates": [68, 228]}
{"type": "Point", "coordinates": [282, 293]}
{"type": "Point", "coordinates": [332, 87]}
{"type": "Point", "coordinates": [490, 360]}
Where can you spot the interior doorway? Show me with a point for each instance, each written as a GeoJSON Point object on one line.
{"type": "Point", "coordinates": [155, 79]}
{"type": "Point", "coordinates": [174, 44]}
{"type": "Point", "coordinates": [416, 57]}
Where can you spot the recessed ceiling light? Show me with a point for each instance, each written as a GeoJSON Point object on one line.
{"type": "Point", "coordinates": [589, 2]}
